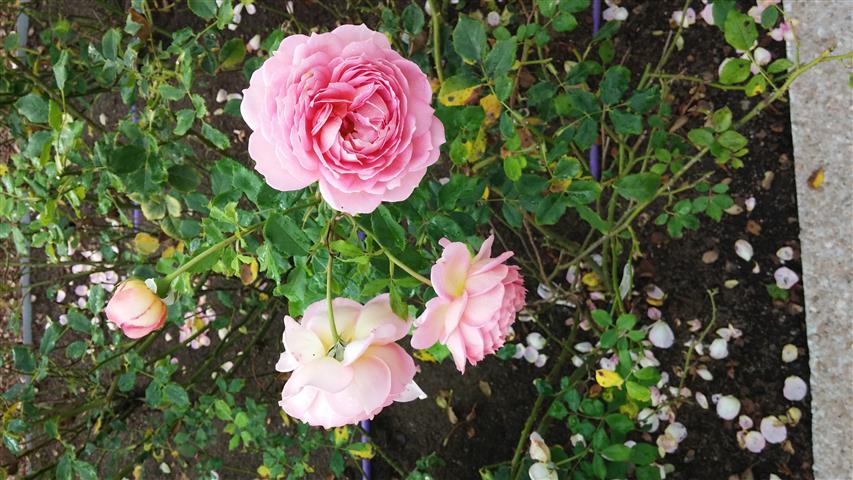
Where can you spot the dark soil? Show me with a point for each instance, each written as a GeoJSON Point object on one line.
{"type": "Point", "coordinates": [754, 371]}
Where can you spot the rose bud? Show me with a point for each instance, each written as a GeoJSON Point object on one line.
{"type": "Point", "coordinates": [136, 309]}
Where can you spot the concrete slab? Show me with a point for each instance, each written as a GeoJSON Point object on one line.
{"type": "Point", "coordinates": [822, 128]}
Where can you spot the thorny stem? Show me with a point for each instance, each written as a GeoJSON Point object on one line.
{"type": "Point", "coordinates": [670, 45]}
{"type": "Point", "coordinates": [436, 41]}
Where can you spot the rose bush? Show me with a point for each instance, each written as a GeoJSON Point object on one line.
{"type": "Point", "coordinates": [347, 111]}
{"type": "Point", "coordinates": [124, 165]}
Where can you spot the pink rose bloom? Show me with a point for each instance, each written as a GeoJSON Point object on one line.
{"type": "Point", "coordinates": [478, 298]}
{"type": "Point", "coordinates": [367, 374]}
{"type": "Point", "coordinates": [345, 110]}
{"type": "Point", "coordinates": [135, 309]}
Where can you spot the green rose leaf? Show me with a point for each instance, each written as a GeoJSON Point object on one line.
{"type": "Point", "coordinates": [735, 70]}
{"type": "Point", "coordinates": [500, 59]}
{"type": "Point", "coordinates": [184, 178]}
{"type": "Point", "coordinates": [126, 159]}
{"type": "Point", "coordinates": [639, 186]}
{"type": "Point", "coordinates": [232, 54]}
{"type": "Point", "coordinates": [33, 107]}
{"type": "Point", "coordinates": [626, 123]}
{"type": "Point", "coordinates": [469, 39]}
{"type": "Point", "coordinates": [740, 30]}
{"type": "Point", "coordinates": [413, 19]}
{"type": "Point", "coordinates": [614, 84]}
{"type": "Point", "coordinates": [205, 9]}
{"type": "Point", "coordinates": [285, 236]}
{"type": "Point", "coordinates": [617, 452]}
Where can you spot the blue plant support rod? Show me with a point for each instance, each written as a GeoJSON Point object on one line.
{"type": "Point", "coordinates": [365, 463]}
{"type": "Point", "coordinates": [595, 151]}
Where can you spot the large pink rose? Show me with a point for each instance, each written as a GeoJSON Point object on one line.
{"type": "Point", "coordinates": [478, 298]}
{"type": "Point", "coordinates": [370, 373]}
{"type": "Point", "coordinates": [344, 109]}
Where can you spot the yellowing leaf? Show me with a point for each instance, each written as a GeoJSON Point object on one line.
{"type": "Point", "coordinates": [171, 250]}
{"type": "Point", "coordinates": [608, 379]}
{"type": "Point", "coordinates": [249, 272]}
{"type": "Point", "coordinates": [474, 149]}
{"type": "Point", "coordinates": [630, 409]}
{"type": "Point", "coordinates": [264, 471]}
{"type": "Point", "coordinates": [434, 84]}
{"type": "Point", "coordinates": [341, 435]}
{"type": "Point", "coordinates": [755, 86]}
{"type": "Point", "coordinates": [486, 193]}
{"type": "Point", "coordinates": [492, 106]}
{"type": "Point", "coordinates": [457, 97]}
{"type": "Point", "coordinates": [560, 185]}
{"type": "Point", "coordinates": [816, 178]}
{"type": "Point", "coordinates": [3, 169]}
{"type": "Point", "coordinates": [590, 279]}
{"type": "Point", "coordinates": [425, 356]}
{"type": "Point", "coordinates": [361, 450]}
{"type": "Point", "coordinates": [457, 90]}
{"type": "Point", "coordinates": [145, 243]}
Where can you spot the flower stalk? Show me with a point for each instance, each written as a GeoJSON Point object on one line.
{"type": "Point", "coordinates": [391, 257]}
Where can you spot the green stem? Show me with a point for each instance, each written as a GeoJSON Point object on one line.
{"type": "Point", "coordinates": [436, 40]}
{"type": "Point", "coordinates": [332, 326]}
{"type": "Point", "coordinates": [823, 57]}
{"type": "Point", "coordinates": [211, 250]}
{"type": "Point", "coordinates": [391, 257]}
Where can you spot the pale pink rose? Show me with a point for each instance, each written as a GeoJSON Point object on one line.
{"type": "Point", "coordinates": [331, 387]}
{"type": "Point", "coordinates": [345, 110]}
{"type": "Point", "coordinates": [136, 309]}
{"type": "Point", "coordinates": [478, 298]}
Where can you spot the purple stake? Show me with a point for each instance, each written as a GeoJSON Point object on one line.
{"type": "Point", "coordinates": [596, 16]}
{"type": "Point", "coordinates": [595, 151]}
{"type": "Point", "coordinates": [137, 215]}
{"type": "Point", "coordinates": [365, 463]}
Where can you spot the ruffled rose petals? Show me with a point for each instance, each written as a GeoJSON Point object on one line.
{"type": "Point", "coordinates": [478, 299]}
{"type": "Point", "coordinates": [331, 384]}
{"type": "Point", "coordinates": [344, 110]}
